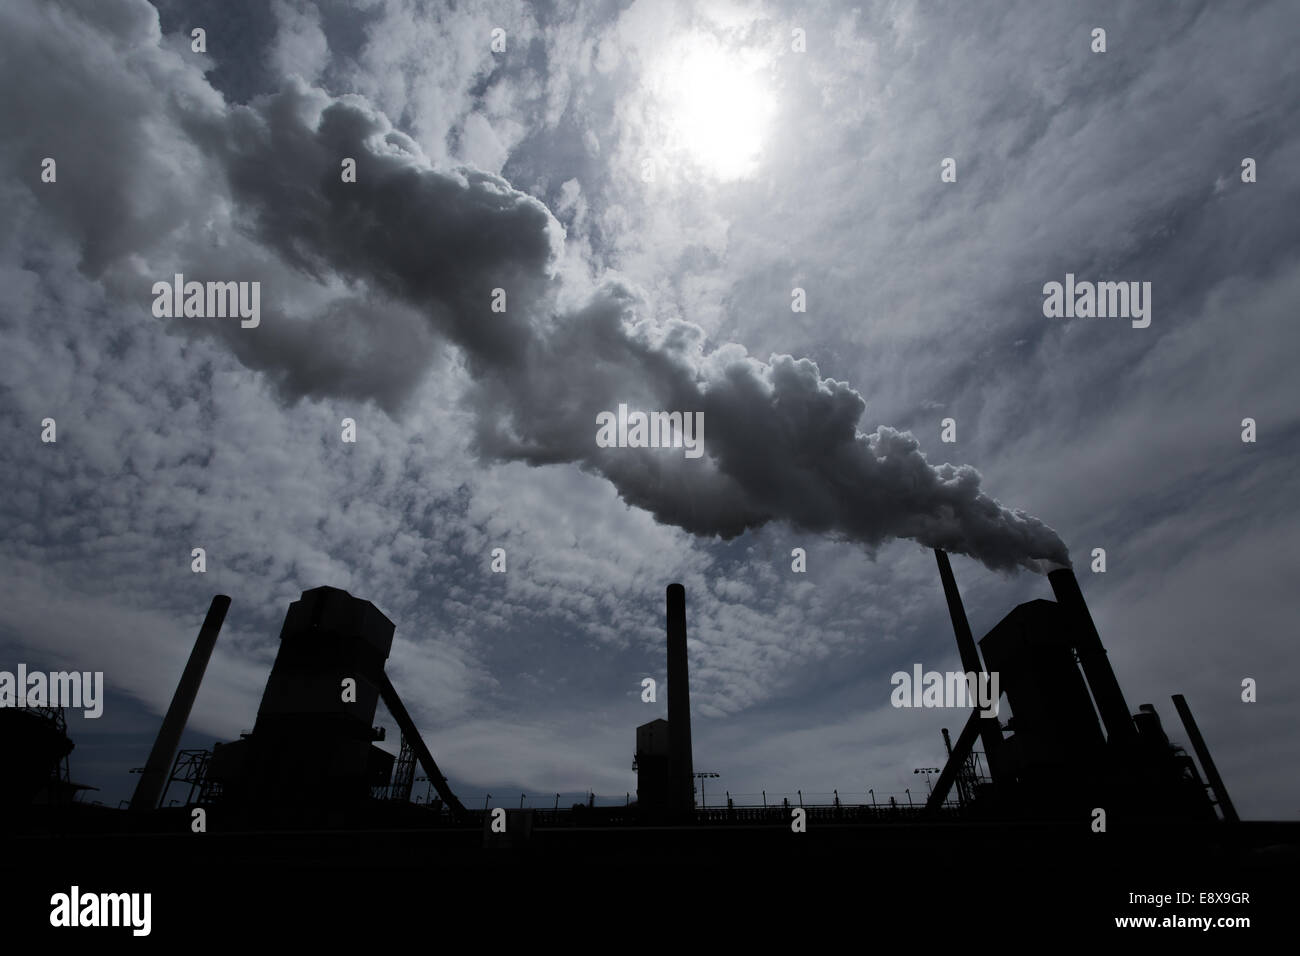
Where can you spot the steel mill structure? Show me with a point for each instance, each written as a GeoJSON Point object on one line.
{"type": "Point", "coordinates": [306, 815]}
{"type": "Point", "coordinates": [1071, 746]}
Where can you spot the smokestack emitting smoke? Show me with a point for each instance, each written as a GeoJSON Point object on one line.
{"type": "Point", "coordinates": [681, 764]}
{"type": "Point", "coordinates": [152, 780]}
{"type": "Point", "coordinates": [407, 255]}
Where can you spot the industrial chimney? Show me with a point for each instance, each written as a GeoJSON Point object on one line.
{"type": "Point", "coordinates": [990, 732]}
{"type": "Point", "coordinates": [150, 788]}
{"type": "Point", "coordinates": [1092, 657]}
{"type": "Point", "coordinates": [681, 771]}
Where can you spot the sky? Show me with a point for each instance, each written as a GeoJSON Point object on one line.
{"type": "Point", "coordinates": [657, 188]}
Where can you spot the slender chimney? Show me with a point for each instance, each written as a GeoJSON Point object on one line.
{"type": "Point", "coordinates": [990, 731]}
{"type": "Point", "coordinates": [970, 658]}
{"type": "Point", "coordinates": [154, 777]}
{"type": "Point", "coordinates": [1092, 656]}
{"type": "Point", "coordinates": [681, 779]}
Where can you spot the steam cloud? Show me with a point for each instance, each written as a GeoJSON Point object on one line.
{"type": "Point", "coordinates": [782, 441]}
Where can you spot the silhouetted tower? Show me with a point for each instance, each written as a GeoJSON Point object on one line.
{"type": "Point", "coordinates": [313, 740]}
{"type": "Point", "coordinates": [989, 731]}
{"type": "Point", "coordinates": [681, 779]}
{"type": "Point", "coordinates": [1056, 761]}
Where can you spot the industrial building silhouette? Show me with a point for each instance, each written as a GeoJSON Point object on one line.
{"type": "Point", "coordinates": [308, 781]}
{"type": "Point", "coordinates": [312, 759]}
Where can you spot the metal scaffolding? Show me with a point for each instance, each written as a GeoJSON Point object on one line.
{"type": "Point", "coordinates": [403, 773]}
{"type": "Point", "coordinates": [191, 767]}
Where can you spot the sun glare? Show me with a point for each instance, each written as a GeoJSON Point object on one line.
{"type": "Point", "coordinates": [716, 106]}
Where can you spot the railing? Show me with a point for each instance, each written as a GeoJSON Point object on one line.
{"type": "Point", "coordinates": [888, 807]}
{"type": "Point", "coordinates": [770, 799]}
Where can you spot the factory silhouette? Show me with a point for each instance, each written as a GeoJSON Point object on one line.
{"type": "Point", "coordinates": [308, 782]}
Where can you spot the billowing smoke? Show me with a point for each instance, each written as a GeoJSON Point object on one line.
{"type": "Point", "coordinates": [781, 441]}
{"type": "Point", "coordinates": [421, 251]}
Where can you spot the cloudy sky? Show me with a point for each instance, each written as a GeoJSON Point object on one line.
{"type": "Point", "coordinates": [650, 182]}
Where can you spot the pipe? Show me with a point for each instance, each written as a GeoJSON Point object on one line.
{"type": "Point", "coordinates": [956, 757]}
{"type": "Point", "coordinates": [990, 732]}
{"type": "Point", "coordinates": [1092, 657]}
{"type": "Point", "coordinates": [680, 763]}
{"type": "Point", "coordinates": [1207, 762]}
{"type": "Point", "coordinates": [398, 711]}
{"type": "Point", "coordinates": [150, 787]}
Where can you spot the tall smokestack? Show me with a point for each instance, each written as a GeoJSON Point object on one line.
{"type": "Point", "coordinates": [154, 777]}
{"type": "Point", "coordinates": [1092, 656]}
{"type": "Point", "coordinates": [681, 779]}
{"type": "Point", "coordinates": [990, 731]}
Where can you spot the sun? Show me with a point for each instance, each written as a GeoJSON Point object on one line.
{"type": "Point", "coordinates": [716, 107]}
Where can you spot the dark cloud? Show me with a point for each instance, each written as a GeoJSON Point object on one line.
{"type": "Point", "coordinates": [442, 240]}
{"type": "Point", "coordinates": [354, 347]}
{"type": "Point", "coordinates": [238, 38]}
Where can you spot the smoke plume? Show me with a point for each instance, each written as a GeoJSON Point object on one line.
{"type": "Point", "coordinates": [421, 251]}
{"type": "Point", "coordinates": [782, 442]}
